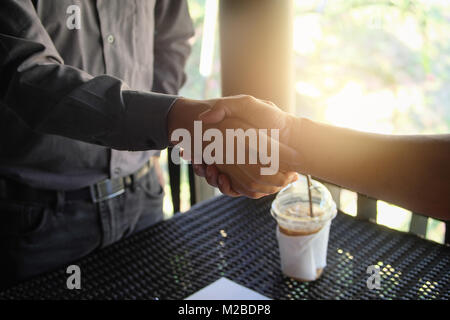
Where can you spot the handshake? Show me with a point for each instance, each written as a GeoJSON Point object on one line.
{"type": "Point", "coordinates": [240, 144]}
{"type": "Point", "coordinates": [246, 146]}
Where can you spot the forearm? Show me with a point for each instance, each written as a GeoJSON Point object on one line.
{"type": "Point", "coordinates": [410, 171]}
{"type": "Point", "coordinates": [53, 99]}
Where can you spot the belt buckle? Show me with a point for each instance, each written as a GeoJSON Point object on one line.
{"type": "Point", "coordinates": [107, 189]}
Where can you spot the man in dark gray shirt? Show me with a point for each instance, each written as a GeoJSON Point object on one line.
{"type": "Point", "coordinates": [67, 115]}
{"type": "Point", "coordinates": [87, 94]}
{"type": "Point", "coordinates": [72, 86]}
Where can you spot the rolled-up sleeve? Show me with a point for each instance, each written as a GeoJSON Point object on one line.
{"type": "Point", "coordinates": [53, 98]}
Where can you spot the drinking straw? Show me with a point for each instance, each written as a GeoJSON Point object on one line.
{"type": "Point", "coordinates": [308, 179]}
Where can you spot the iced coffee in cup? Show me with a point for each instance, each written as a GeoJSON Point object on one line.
{"type": "Point", "coordinates": [303, 211]}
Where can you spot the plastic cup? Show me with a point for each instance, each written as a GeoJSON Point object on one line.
{"type": "Point", "coordinates": [302, 236]}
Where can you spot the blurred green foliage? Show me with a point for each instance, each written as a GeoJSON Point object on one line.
{"type": "Point", "coordinates": [198, 86]}
{"type": "Point", "coordinates": [382, 45]}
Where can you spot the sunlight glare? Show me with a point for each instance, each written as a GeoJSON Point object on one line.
{"type": "Point", "coordinates": [392, 216]}
{"type": "Point", "coordinates": [307, 89]}
{"type": "Point", "coordinates": [208, 39]}
{"type": "Point", "coordinates": [348, 202]}
{"type": "Point", "coordinates": [409, 34]}
{"type": "Point", "coordinates": [307, 31]}
{"type": "Point", "coordinates": [354, 108]}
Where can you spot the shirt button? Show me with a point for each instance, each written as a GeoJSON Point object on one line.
{"type": "Point", "coordinates": [110, 39]}
{"type": "Point", "coordinates": [117, 171]}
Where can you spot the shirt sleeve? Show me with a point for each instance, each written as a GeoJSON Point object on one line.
{"type": "Point", "coordinates": [53, 98]}
{"type": "Point", "coordinates": [173, 29]}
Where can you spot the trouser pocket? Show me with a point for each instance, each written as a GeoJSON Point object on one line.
{"type": "Point", "coordinates": [150, 185]}
{"type": "Point", "coordinates": [34, 239]}
{"type": "Point", "coordinates": [21, 219]}
{"type": "Point", "coordinates": [148, 197]}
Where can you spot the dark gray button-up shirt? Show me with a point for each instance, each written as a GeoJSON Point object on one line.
{"type": "Point", "coordinates": [78, 97]}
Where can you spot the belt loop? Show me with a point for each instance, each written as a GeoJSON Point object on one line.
{"type": "Point", "coordinates": [60, 200]}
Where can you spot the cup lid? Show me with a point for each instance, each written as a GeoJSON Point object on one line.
{"type": "Point", "coordinates": [291, 207]}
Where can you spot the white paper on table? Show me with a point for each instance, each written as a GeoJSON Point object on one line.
{"type": "Point", "coordinates": [301, 256]}
{"type": "Point", "coordinates": [225, 289]}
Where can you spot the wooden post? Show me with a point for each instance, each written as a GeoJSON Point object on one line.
{"type": "Point", "coordinates": [257, 51]}
{"type": "Point", "coordinates": [256, 55]}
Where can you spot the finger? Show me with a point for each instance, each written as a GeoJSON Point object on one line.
{"type": "Point", "coordinates": [251, 186]}
{"type": "Point", "coordinates": [254, 111]}
{"type": "Point", "coordinates": [242, 190]}
{"type": "Point", "coordinates": [280, 179]}
{"type": "Point", "coordinates": [287, 157]}
{"type": "Point", "coordinates": [213, 115]}
{"type": "Point", "coordinates": [269, 102]}
{"type": "Point", "coordinates": [225, 186]}
{"type": "Point", "coordinates": [212, 175]}
{"type": "Point", "coordinates": [199, 169]}
{"type": "Point", "coordinates": [237, 186]}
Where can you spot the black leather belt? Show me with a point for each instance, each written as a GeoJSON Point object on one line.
{"type": "Point", "coordinates": [111, 188]}
{"type": "Point", "coordinates": [101, 191]}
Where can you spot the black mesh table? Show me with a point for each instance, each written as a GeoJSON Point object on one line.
{"type": "Point", "coordinates": [235, 238]}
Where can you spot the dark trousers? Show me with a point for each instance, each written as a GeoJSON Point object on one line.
{"type": "Point", "coordinates": [38, 237]}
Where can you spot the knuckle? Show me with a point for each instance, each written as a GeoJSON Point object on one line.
{"type": "Point", "coordinates": [253, 195]}
{"type": "Point", "coordinates": [283, 180]}
{"type": "Point", "coordinates": [276, 189]}
{"type": "Point", "coordinates": [272, 190]}
{"type": "Point", "coordinates": [236, 189]}
{"type": "Point", "coordinates": [248, 98]}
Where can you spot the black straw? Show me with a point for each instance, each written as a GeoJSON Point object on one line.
{"type": "Point", "coordinates": [308, 179]}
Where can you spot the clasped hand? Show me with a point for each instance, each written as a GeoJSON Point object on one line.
{"type": "Point", "coordinates": [270, 133]}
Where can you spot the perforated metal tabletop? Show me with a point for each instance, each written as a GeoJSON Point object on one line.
{"type": "Point", "coordinates": [235, 238]}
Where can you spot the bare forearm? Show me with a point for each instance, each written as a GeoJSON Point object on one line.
{"type": "Point", "coordinates": [410, 171]}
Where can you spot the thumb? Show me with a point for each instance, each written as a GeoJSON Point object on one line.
{"type": "Point", "coordinates": [213, 115]}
